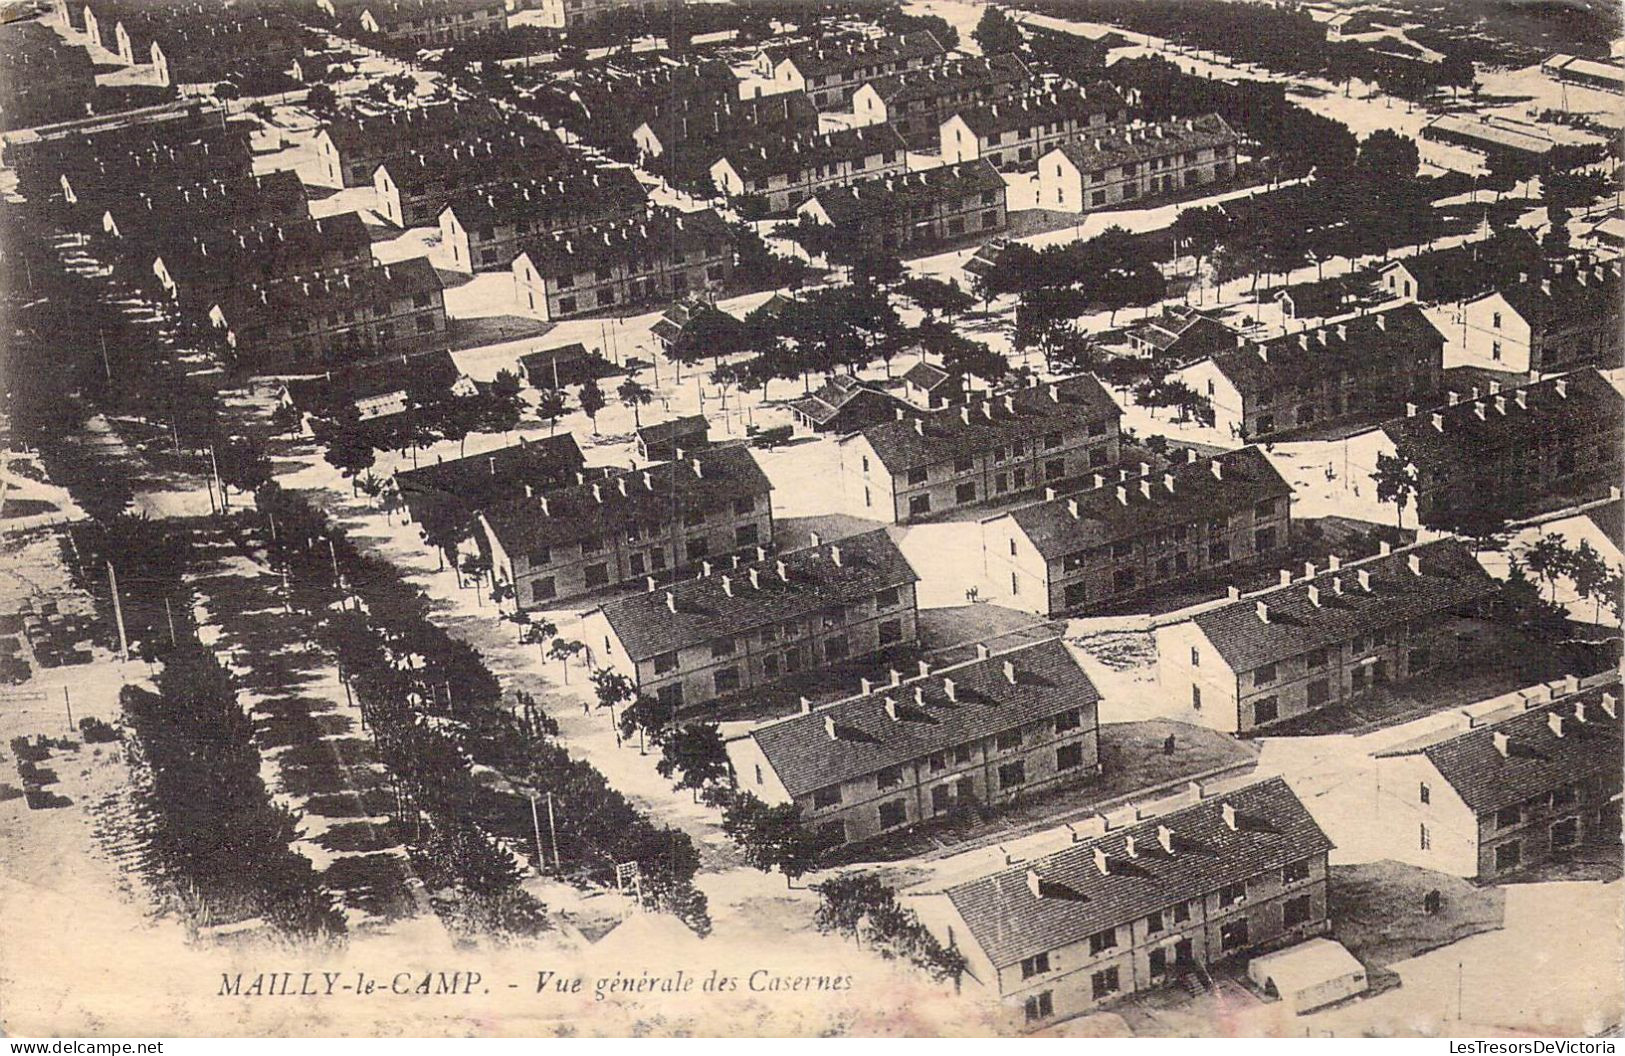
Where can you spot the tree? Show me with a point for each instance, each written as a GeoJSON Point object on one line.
{"type": "Point", "coordinates": [1201, 231]}
{"type": "Point", "coordinates": [1456, 71]}
{"type": "Point", "coordinates": [564, 650]}
{"type": "Point", "coordinates": [592, 401]}
{"type": "Point", "coordinates": [635, 394]}
{"type": "Point", "coordinates": [225, 91]}
{"type": "Point", "coordinates": [1386, 159]}
{"type": "Point", "coordinates": [500, 405]}
{"type": "Point", "coordinates": [348, 449]}
{"type": "Point", "coordinates": [321, 100]}
{"type": "Point", "coordinates": [693, 755]}
{"type": "Point", "coordinates": [242, 464]}
{"type": "Point", "coordinates": [1396, 483]}
{"type": "Point", "coordinates": [770, 837]}
{"type": "Point", "coordinates": [1548, 558]}
{"type": "Point", "coordinates": [538, 633]}
{"type": "Point", "coordinates": [645, 718]}
{"type": "Point", "coordinates": [551, 405]}
{"type": "Point", "coordinates": [1591, 576]}
{"type": "Point", "coordinates": [997, 34]}
{"type": "Point", "coordinates": [613, 688]}
{"type": "Point", "coordinates": [935, 297]}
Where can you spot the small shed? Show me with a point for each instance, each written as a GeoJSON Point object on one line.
{"type": "Point", "coordinates": [1309, 975]}
{"type": "Point", "coordinates": [660, 441]}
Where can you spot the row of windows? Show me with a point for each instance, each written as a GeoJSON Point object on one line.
{"type": "Point", "coordinates": [1011, 775]}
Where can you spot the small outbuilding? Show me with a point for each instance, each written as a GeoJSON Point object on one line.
{"type": "Point", "coordinates": [1309, 975]}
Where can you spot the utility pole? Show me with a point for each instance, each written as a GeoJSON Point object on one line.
{"type": "Point", "coordinates": [170, 616]}
{"type": "Point", "coordinates": [68, 703]}
{"type": "Point", "coordinates": [214, 467]}
{"type": "Point", "coordinates": [536, 829]}
{"type": "Point", "coordinates": [106, 368]}
{"type": "Point", "coordinates": [553, 830]}
{"type": "Point", "coordinates": [118, 614]}
{"type": "Point", "coordinates": [332, 553]}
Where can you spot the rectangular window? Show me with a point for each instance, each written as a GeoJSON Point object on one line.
{"type": "Point", "coordinates": [543, 589]}
{"type": "Point", "coordinates": [665, 662]}
{"type": "Point", "coordinates": [1423, 793]}
{"type": "Point", "coordinates": [1069, 757]}
{"type": "Point", "coordinates": [1296, 873]}
{"type": "Point", "coordinates": [1318, 658]}
{"type": "Point", "coordinates": [1013, 775]}
{"type": "Point", "coordinates": [965, 492]}
{"type": "Point", "coordinates": [1068, 720]}
{"type": "Point", "coordinates": [744, 505]}
{"type": "Point", "coordinates": [1297, 911]}
{"type": "Point", "coordinates": [697, 548]}
{"type": "Point", "coordinates": [1507, 817]}
{"type": "Point", "coordinates": [964, 465]}
{"type": "Point", "coordinates": [1196, 698]}
{"type": "Point", "coordinates": [1037, 964]}
{"type": "Point", "coordinates": [1264, 675]}
{"type": "Point", "coordinates": [1320, 691]}
{"type": "Point", "coordinates": [887, 598]}
{"type": "Point", "coordinates": [1182, 913]}
{"type": "Point", "coordinates": [916, 475]}
{"type": "Point", "coordinates": [836, 649]}
{"type": "Point", "coordinates": [596, 575]}
{"type": "Point", "coordinates": [1101, 941]}
{"type": "Point", "coordinates": [1233, 936]}
{"type": "Point", "coordinates": [891, 631]}
{"type": "Point", "coordinates": [1232, 894]}
{"type": "Point", "coordinates": [1009, 740]}
{"type": "Point", "coordinates": [1265, 709]}
{"type": "Point", "coordinates": [828, 796]}
{"type": "Point", "coordinates": [893, 813]}
{"type": "Point", "coordinates": [1507, 856]}
{"type": "Point", "coordinates": [1565, 833]}
{"type": "Point", "coordinates": [890, 777]}
{"type": "Point", "coordinates": [745, 535]}
{"type": "Point", "coordinates": [727, 679]}
{"type": "Point", "coordinates": [1426, 839]}
{"type": "Point", "coordinates": [1104, 983]}
{"type": "Point", "coordinates": [1153, 923]}
{"type": "Point", "coordinates": [722, 647]}
{"type": "Point", "coordinates": [1040, 1006]}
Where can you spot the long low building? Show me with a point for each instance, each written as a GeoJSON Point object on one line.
{"type": "Point", "coordinates": [742, 626]}
{"type": "Point", "coordinates": [624, 528]}
{"type": "Point", "coordinates": [1014, 132]}
{"type": "Point", "coordinates": [1122, 539]}
{"type": "Point", "coordinates": [1505, 792]}
{"type": "Point", "coordinates": [774, 176]}
{"type": "Point", "coordinates": [486, 227]}
{"type": "Point", "coordinates": [450, 492]}
{"type": "Point", "coordinates": [663, 256]}
{"type": "Point", "coordinates": [1117, 165]}
{"type": "Point", "coordinates": [986, 731]}
{"type": "Point", "coordinates": [916, 211]}
{"type": "Point", "coordinates": [1321, 639]}
{"type": "Point", "coordinates": [1139, 906]}
{"type": "Point", "coordinates": [907, 470]}
{"type": "Point", "coordinates": [197, 269]}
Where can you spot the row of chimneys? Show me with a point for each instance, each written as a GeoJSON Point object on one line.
{"type": "Point", "coordinates": [1556, 722]}
{"type": "Point", "coordinates": [1499, 402]}
{"type": "Point", "coordinates": [1165, 837]}
{"type": "Point", "coordinates": [1334, 563]}
{"type": "Point", "coordinates": [950, 689]}
{"type": "Point", "coordinates": [1215, 466]}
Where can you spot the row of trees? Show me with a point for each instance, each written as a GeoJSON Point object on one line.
{"type": "Point", "coordinates": [436, 711]}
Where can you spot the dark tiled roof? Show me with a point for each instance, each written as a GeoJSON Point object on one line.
{"type": "Point", "coordinates": [720, 121]}
{"type": "Point", "coordinates": [660, 232]}
{"type": "Point", "coordinates": [375, 377]}
{"type": "Point", "coordinates": [1103, 517]}
{"type": "Point", "coordinates": [538, 366]}
{"type": "Point", "coordinates": [268, 251]}
{"type": "Point", "coordinates": [404, 129]}
{"type": "Point", "coordinates": [1398, 337]}
{"type": "Point", "coordinates": [1450, 577]}
{"type": "Point", "coordinates": [475, 162]}
{"type": "Point", "coordinates": [198, 206]}
{"type": "Point", "coordinates": [892, 198]}
{"type": "Point", "coordinates": [815, 60]}
{"type": "Point", "coordinates": [1609, 517]}
{"type": "Point", "coordinates": [1573, 405]}
{"type": "Point", "coordinates": [1472, 268]}
{"type": "Point", "coordinates": [496, 476]}
{"type": "Point", "coordinates": [825, 403]}
{"type": "Point", "coordinates": [549, 203]}
{"type": "Point", "coordinates": [1193, 331]}
{"type": "Point", "coordinates": [945, 434]}
{"type": "Point", "coordinates": [949, 79]}
{"type": "Point", "coordinates": [1042, 108]}
{"type": "Point", "coordinates": [374, 287]}
{"type": "Point", "coordinates": [1537, 760]}
{"type": "Point", "coordinates": [1010, 923]}
{"type": "Point", "coordinates": [867, 738]}
{"type": "Point", "coordinates": [659, 494]}
{"type": "Point", "coordinates": [927, 376]}
{"type": "Point", "coordinates": [1565, 294]}
{"type": "Point", "coordinates": [706, 610]}
{"type": "Point", "coordinates": [671, 428]}
{"type": "Point", "coordinates": [696, 318]}
{"type": "Point", "coordinates": [761, 159]}
{"type": "Point", "coordinates": [1112, 147]}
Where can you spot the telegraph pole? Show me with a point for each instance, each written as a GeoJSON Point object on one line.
{"type": "Point", "coordinates": [118, 614]}
{"type": "Point", "coordinates": [553, 830]}
{"type": "Point", "coordinates": [536, 828]}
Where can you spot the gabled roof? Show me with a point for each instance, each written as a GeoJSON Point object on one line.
{"type": "Point", "coordinates": [1513, 418]}
{"type": "Point", "coordinates": [198, 206]}
{"type": "Point", "coordinates": [729, 603]}
{"type": "Point", "coordinates": [947, 80]}
{"type": "Point", "coordinates": [660, 232]}
{"type": "Point", "coordinates": [404, 129]}
{"type": "Point", "coordinates": [867, 737]}
{"type": "Point", "coordinates": [1471, 268]}
{"type": "Point", "coordinates": [698, 317]}
{"type": "Point", "coordinates": [1448, 577]}
{"type": "Point", "coordinates": [1189, 493]}
{"type": "Point", "coordinates": [266, 251]}
{"type": "Point", "coordinates": [1111, 147]}
{"type": "Point", "coordinates": [374, 377]}
{"type": "Point", "coordinates": [709, 479]}
{"type": "Point", "coordinates": [927, 376]}
{"type": "Point", "coordinates": [311, 294]}
{"type": "Point", "coordinates": [550, 202]}
{"type": "Point", "coordinates": [1501, 764]}
{"type": "Point", "coordinates": [1399, 337]}
{"type": "Point", "coordinates": [673, 428]}
{"type": "Point", "coordinates": [475, 162]}
{"type": "Point", "coordinates": [892, 198]}
{"type": "Point", "coordinates": [1568, 291]}
{"type": "Point", "coordinates": [496, 476]}
{"type": "Point", "coordinates": [1493, 133]}
{"type": "Point", "coordinates": [1074, 900]}
{"type": "Point", "coordinates": [1609, 517]}
{"type": "Point", "coordinates": [773, 157]}
{"type": "Point", "coordinates": [986, 118]}
{"type": "Point", "coordinates": [820, 60]}
{"type": "Point", "coordinates": [1187, 328]}
{"type": "Point", "coordinates": [944, 434]}
{"type": "Point", "coordinates": [825, 403]}
{"type": "Point", "coordinates": [718, 121]}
